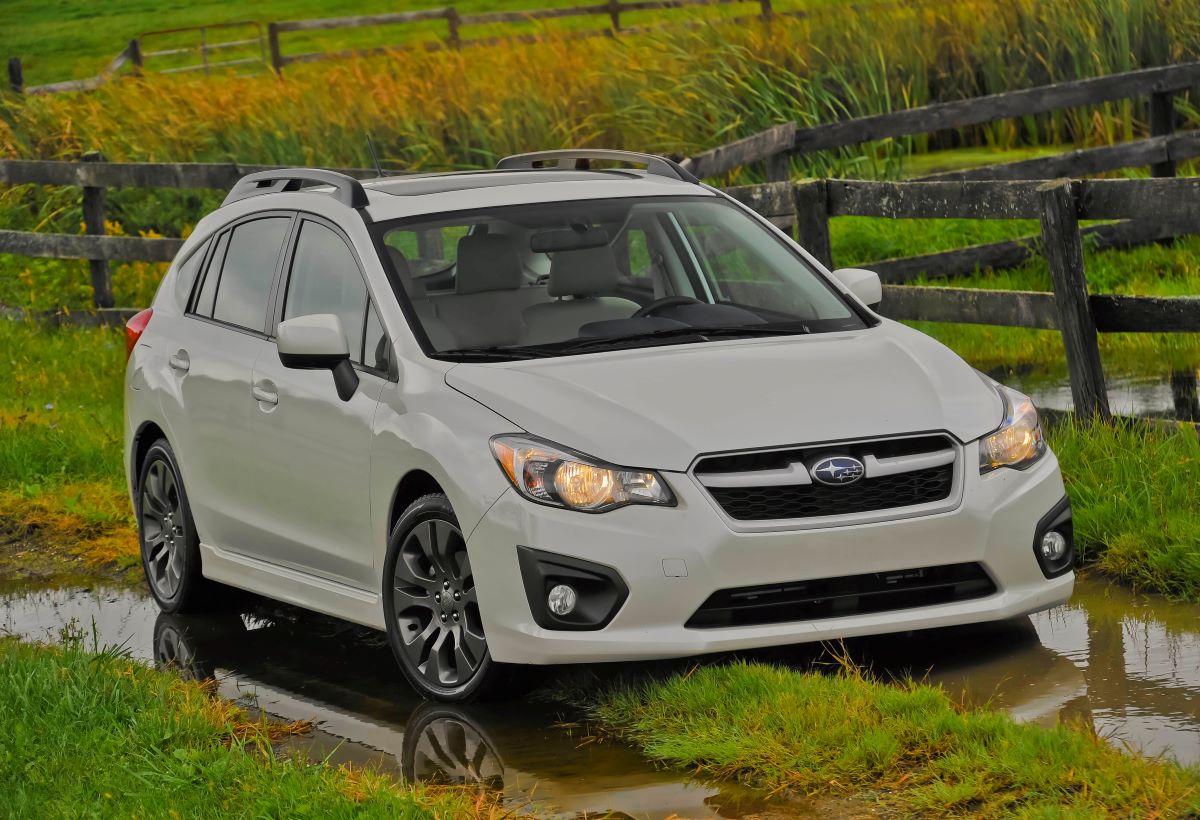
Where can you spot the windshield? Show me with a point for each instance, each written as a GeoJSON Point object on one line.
{"type": "Point", "coordinates": [563, 278]}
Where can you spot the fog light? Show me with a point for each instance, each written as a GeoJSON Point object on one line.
{"type": "Point", "coordinates": [1054, 545]}
{"type": "Point", "coordinates": [562, 600]}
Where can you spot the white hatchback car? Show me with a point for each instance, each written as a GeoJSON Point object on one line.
{"type": "Point", "coordinates": [554, 413]}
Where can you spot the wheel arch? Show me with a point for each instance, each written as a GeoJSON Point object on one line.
{"type": "Point", "coordinates": [148, 433]}
{"type": "Point", "coordinates": [413, 485]}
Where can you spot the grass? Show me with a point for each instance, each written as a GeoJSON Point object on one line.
{"type": "Point", "coordinates": [94, 732]}
{"type": "Point", "coordinates": [909, 747]}
{"type": "Point", "coordinates": [1135, 490]}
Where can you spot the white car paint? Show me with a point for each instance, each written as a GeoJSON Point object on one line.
{"type": "Point", "coordinates": [292, 499]}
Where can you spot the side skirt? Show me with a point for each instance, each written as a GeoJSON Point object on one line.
{"type": "Point", "coordinates": [292, 587]}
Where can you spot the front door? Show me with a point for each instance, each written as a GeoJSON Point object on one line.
{"type": "Point", "coordinates": [313, 451]}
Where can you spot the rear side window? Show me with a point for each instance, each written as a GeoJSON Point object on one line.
{"type": "Point", "coordinates": [238, 281]}
{"type": "Point", "coordinates": [325, 279]}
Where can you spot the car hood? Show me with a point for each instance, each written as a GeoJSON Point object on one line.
{"type": "Point", "coordinates": [661, 407]}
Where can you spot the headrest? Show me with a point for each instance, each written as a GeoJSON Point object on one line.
{"type": "Point", "coordinates": [584, 272]}
{"type": "Point", "coordinates": [487, 262]}
{"type": "Point", "coordinates": [414, 288]}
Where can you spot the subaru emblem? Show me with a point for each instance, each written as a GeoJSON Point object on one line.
{"type": "Point", "coordinates": [837, 470]}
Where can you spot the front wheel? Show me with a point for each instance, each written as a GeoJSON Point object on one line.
{"type": "Point", "coordinates": [431, 608]}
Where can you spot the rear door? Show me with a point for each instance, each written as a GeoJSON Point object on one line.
{"type": "Point", "coordinates": [312, 469]}
{"type": "Point", "coordinates": [213, 354]}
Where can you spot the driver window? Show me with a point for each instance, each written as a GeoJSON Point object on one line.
{"type": "Point", "coordinates": [325, 279]}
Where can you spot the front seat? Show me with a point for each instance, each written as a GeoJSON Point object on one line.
{"type": "Point", "coordinates": [583, 275]}
{"type": "Point", "coordinates": [489, 292]}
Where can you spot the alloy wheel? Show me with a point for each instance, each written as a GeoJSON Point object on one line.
{"type": "Point", "coordinates": [164, 530]}
{"type": "Point", "coordinates": [436, 609]}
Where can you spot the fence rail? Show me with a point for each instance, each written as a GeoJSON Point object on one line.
{"type": "Point", "coordinates": [1153, 206]}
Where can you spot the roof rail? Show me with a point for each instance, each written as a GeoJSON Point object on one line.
{"type": "Point", "coordinates": [569, 159]}
{"type": "Point", "coordinates": [347, 190]}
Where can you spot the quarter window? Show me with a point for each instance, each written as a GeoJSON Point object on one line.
{"type": "Point", "coordinates": [244, 285]}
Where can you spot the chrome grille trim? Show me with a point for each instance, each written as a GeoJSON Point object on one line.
{"type": "Point", "coordinates": [788, 466]}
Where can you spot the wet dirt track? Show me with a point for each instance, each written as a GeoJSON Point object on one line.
{"type": "Point", "coordinates": [1129, 665]}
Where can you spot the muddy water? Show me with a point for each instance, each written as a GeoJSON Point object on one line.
{"type": "Point", "coordinates": [1126, 664]}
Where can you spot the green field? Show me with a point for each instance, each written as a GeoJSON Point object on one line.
{"type": "Point", "coordinates": [70, 39]}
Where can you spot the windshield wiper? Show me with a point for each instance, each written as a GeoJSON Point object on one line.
{"type": "Point", "coordinates": [497, 353]}
{"type": "Point", "coordinates": [676, 332]}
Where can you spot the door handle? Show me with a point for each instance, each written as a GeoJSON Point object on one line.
{"type": "Point", "coordinates": [264, 391]}
{"type": "Point", "coordinates": [179, 361]}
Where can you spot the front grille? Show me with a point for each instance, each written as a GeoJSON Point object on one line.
{"type": "Point", "coordinates": [842, 596]}
{"type": "Point", "coordinates": [811, 500]}
{"type": "Point", "coordinates": [778, 485]}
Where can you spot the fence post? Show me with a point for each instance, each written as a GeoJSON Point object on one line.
{"type": "Point", "coordinates": [614, 11]}
{"type": "Point", "coordinates": [1186, 394]}
{"type": "Point", "coordinates": [135, 55]}
{"type": "Point", "coordinates": [1064, 252]}
{"type": "Point", "coordinates": [1162, 123]}
{"type": "Point", "coordinates": [273, 44]}
{"type": "Point", "coordinates": [812, 219]}
{"type": "Point", "coordinates": [779, 167]}
{"type": "Point", "coordinates": [16, 76]}
{"type": "Point", "coordinates": [766, 9]}
{"type": "Point", "coordinates": [430, 245]}
{"type": "Point", "coordinates": [452, 23]}
{"type": "Point", "coordinates": [94, 200]}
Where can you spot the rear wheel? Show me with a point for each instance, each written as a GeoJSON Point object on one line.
{"type": "Point", "coordinates": [170, 547]}
{"type": "Point", "coordinates": [433, 621]}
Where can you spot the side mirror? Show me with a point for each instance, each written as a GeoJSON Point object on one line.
{"type": "Point", "coordinates": [317, 342]}
{"type": "Point", "coordinates": [864, 284]}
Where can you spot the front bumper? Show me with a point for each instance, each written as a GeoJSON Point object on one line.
{"type": "Point", "coordinates": [994, 526]}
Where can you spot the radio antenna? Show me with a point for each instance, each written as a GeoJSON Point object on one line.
{"type": "Point", "coordinates": [374, 156]}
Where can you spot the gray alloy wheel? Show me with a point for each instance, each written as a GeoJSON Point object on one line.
{"type": "Point", "coordinates": [443, 746]}
{"type": "Point", "coordinates": [434, 626]}
{"type": "Point", "coordinates": [164, 529]}
{"type": "Point", "coordinates": [170, 546]}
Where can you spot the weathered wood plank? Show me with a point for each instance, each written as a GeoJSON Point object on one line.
{"type": "Point", "coordinates": [1064, 253]}
{"type": "Point", "coordinates": [219, 176]}
{"type": "Point", "coordinates": [1146, 314]}
{"type": "Point", "coordinates": [94, 202]}
{"type": "Point", "coordinates": [771, 199]}
{"type": "Point", "coordinates": [1006, 308]}
{"type": "Point", "coordinates": [490, 17]}
{"type": "Point", "coordinates": [934, 200]}
{"type": "Point", "coordinates": [393, 18]}
{"type": "Point", "coordinates": [978, 110]}
{"type": "Point", "coordinates": [1085, 161]}
{"type": "Point", "coordinates": [812, 220]}
{"type": "Point", "coordinates": [1000, 255]}
{"type": "Point", "coordinates": [1149, 199]}
{"type": "Point", "coordinates": [1162, 123]}
{"type": "Point", "coordinates": [756, 148]}
{"type": "Point", "coordinates": [73, 246]}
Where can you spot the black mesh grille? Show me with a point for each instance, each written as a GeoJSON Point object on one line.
{"type": "Point", "coordinates": [811, 500]}
{"type": "Point", "coordinates": [842, 596]}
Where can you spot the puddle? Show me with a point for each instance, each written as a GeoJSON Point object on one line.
{"type": "Point", "coordinates": [1165, 395]}
{"type": "Point", "coordinates": [1129, 665]}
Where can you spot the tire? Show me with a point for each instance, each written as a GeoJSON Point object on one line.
{"type": "Point", "coordinates": [444, 746]}
{"type": "Point", "coordinates": [170, 547]}
{"type": "Point", "coordinates": [432, 614]}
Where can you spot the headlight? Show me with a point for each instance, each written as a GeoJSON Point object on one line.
{"type": "Point", "coordinates": [1019, 442]}
{"type": "Point", "coordinates": [547, 474]}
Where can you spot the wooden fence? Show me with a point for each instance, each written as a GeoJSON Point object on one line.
{"type": "Point", "coordinates": [804, 207]}
{"type": "Point", "coordinates": [1162, 151]}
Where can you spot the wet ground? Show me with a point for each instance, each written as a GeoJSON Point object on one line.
{"type": "Point", "coordinates": [1129, 665]}
{"type": "Point", "coordinates": [1165, 395]}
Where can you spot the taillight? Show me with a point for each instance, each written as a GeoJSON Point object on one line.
{"type": "Point", "coordinates": [134, 329]}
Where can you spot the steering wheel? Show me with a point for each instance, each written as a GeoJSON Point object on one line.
{"type": "Point", "coordinates": [654, 307]}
